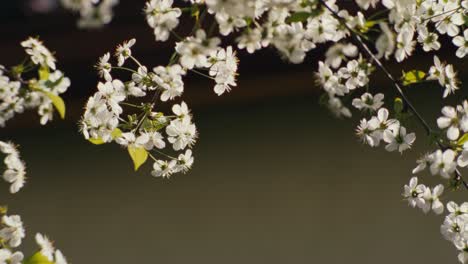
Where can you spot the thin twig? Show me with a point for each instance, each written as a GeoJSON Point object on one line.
{"type": "Point", "coordinates": [443, 13]}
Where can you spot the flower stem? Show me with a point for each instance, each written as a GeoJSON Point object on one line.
{"type": "Point", "coordinates": [443, 13]}
{"type": "Point", "coordinates": [201, 74]}
{"type": "Point", "coordinates": [125, 69]}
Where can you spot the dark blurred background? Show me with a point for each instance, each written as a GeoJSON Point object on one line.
{"type": "Point", "coordinates": [276, 178]}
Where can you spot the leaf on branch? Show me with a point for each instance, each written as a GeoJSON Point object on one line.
{"type": "Point", "coordinates": [58, 103]}
{"type": "Point", "coordinates": [463, 139]}
{"type": "Point", "coordinates": [44, 73]}
{"type": "Point", "coordinates": [370, 24]}
{"type": "Point", "coordinates": [17, 70]}
{"type": "Point", "coordinates": [413, 76]}
{"type": "Point", "coordinates": [37, 258]}
{"type": "Point", "coordinates": [96, 141]}
{"type": "Point", "coordinates": [367, 26]}
{"type": "Point", "coordinates": [116, 133]}
{"type": "Point", "coordinates": [138, 155]}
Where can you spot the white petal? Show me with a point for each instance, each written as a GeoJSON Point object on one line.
{"type": "Point", "coordinates": [444, 122]}
{"type": "Point", "coordinates": [453, 133]}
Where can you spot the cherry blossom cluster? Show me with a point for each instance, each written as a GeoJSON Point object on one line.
{"type": "Point", "coordinates": [396, 34]}
{"type": "Point", "coordinates": [35, 83]}
{"type": "Point", "coordinates": [455, 228]}
{"type": "Point", "coordinates": [93, 13]}
{"type": "Point", "coordinates": [445, 74]}
{"type": "Point", "coordinates": [423, 23]}
{"type": "Point", "coordinates": [260, 24]}
{"type": "Point", "coordinates": [15, 172]}
{"type": "Point", "coordinates": [380, 127]}
{"type": "Point", "coordinates": [454, 120]}
{"type": "Point", "coordinates": [296, 27]}
{"type": "Point", "coordinates": [356, 44]}
{"type": "Point", "coordinates": [142, 130]}
{"type": "Point", "coordinates": [162, 17]}
{"type": "Point", "coordinates": [425, 198]}
{"type": "Point", "coordinates": [201, 53]}
{"type": "Point", "coordinates": [12, 233]}
{"type": "Point", "coordinates": [445, 162]}
{"type": "Point", "coordinates": [345, 80]}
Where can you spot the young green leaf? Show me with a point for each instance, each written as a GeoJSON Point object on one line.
{"type": "Point", "coordinates": [413, 76]}
{"type": "Point", "coordinates": [138, 155]}
{"type": "Point", "coordinates": [58, 102]}
{"type": "Point", "coordinates": [370, 23]}
{"type": "Point", "coordinates": [37, 258]}
{"type": "Point", "coordinates": [96, 141]}
{"type": "Point", "coordinates": [116, 133]}
{"type": "Point", "coordinates": [367, 26]}
{"type": "Point", "coordinates": [248, 21]}
{"type": "Point", "coordinates": [44, 73]}
{"type": "Point", "coordinates": [463, 139]}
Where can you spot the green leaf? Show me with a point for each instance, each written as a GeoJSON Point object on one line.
{"type": "Point", "coordinates": [116, 133]}
{"type": "Point", "coordinates": [96, 141]}
{"type": "Point", "coordinates": [147, 125]}
{"type": "Point", "coordinates": [58, 102]}
{"type": "Point", "coordinates": [370, 23]}
{"type": "Point", "coordinates": [398, 105]}
{"type": "Point", "coordinates": [413, 76]}
{"type": "Point", "coordinates": [138, 155]}
{"type": "Point", "coordinates": [248, 21]}
{"type": "Point", "coordinates": [298, 17]}
{"type": "Point", "coordinates": [195, 12]}
{"type": "Point", "coordinates": [367, 26]}
{"type": "Point", "coordinates": [18, 69]}
{"type": "Point", "coordinates": [44, 73]}
{"type": "Point", "coordinates": [37, 258]}
{"type": "Point", "coordinates": [463, 139]}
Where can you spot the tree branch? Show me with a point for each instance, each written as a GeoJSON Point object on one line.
{"type": "Point", "coordinates": [363, 45]}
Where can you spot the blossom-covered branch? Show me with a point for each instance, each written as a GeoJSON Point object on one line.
{"type": "Point", "coordinates": [396, 83]}
{"type": "Point", "coordinates": [35, 83]}
{"type": "Point", "coordinates": [358, 42]}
